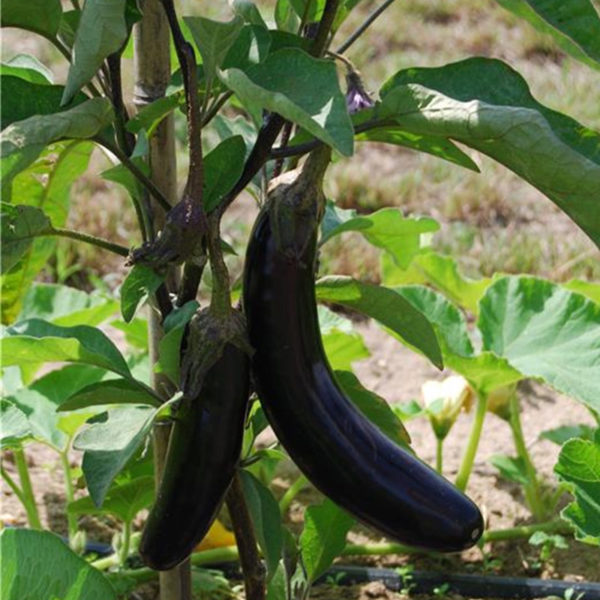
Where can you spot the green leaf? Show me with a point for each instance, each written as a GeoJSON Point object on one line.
{"type": "Point", "coordinates": [342, 349]}
{"type": "Point", "coordinates": [22, 99]}
{"type": "Point", "coordinates": [250, 48]}
{"type": "Point", "coordinates": [122, 501]}
{"type": "Point", "coordinates": [222, 168]}
{"type": "Point", "coordinates": [312, 8]}
{"type": "Point", "coordinates": [266, 519]}
{"type": "Point", "coordinates": [314, 101]}
{"type": "Point", "coordinates": [564, 433]}
{"type": "Point", "coordinates": [15, 427]}
{"type": "Point", "coordinates": [388, 308]}
{"type": "Point", "coordinates": [38, 565]}
{"type": "Point", "coordinates": [579, 465]}
{"type": "Point", "coordinates": [386, 228]}
{"type": "Point", "coordinates": [574, 25]}
{"type": "Point", "coordinates": [102, 30]}
{"type": "Point", "coordinates": [41, 399]}
{"type": "Point", "coordinates": [285, 16]}
{"type": "Point", "coordinates": [136, 332]}
{"type": "Point", "coordinates": [35, 341]}
{"type": "Point", "coordinates": [67, 30]}
{"type": "Point", "coordinates": [46, 185]}
{"type": "Point", "coordinates": [214, 39]}
{"type": "Point", "coordinates": [108, 445]}
{"type": "Point", "coordinates": [63, 305]}
{"type": "Point", "coordinates": [39, 16]}
{"type": "Point", "coordinates": [141, 282]}
{"type": "Point", "coordinates": [586, 288]}
{"type": "Point", "coordinates": [22, 142]}
{"type": "Point", "coordinates": [510, 468]}
{"type": "Point", "coordinates": [374, 407]}
{"type": "Point", "coordinates": [151, 115]}
{"type": "Point", "coordinates": [323, 537]}
{"type": "Point", "coordinates": [20, 226]}
{"type": "Point", "coordinates": [441, 272]}
{"type": "Point", "coordinates": [546, 332]}
{"type": "Point", "coordinates": [27, 67]}
{"type": "Point", "coordinates": [437, 146]}
{"type": "Point", "coordinates": [110, 391]}
{"type": "Point", "coordinates": [464, 102]}
{"type": "Point", "coordinates": [248, 11]}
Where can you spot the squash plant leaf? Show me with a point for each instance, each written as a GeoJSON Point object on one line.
{"type": "Point", "coordinates": [574, 25]}
{"type": "Point", "coordinates": [46, 185]}
{"type": "Point", "coordinates": [463, 101]}
{"type": "Point", "coordinates": [313, 101]}
{"type": "Point", "coordinates": [388, 308]}
{"type": "Point", "coordinates": [323, 537]}
{"type": "Point", "coordinates": [102, 30]}
{"type": "Point", "coordinates": [38, 564]}
{"type": "Point", "coordinates": [15, 426]}
{"type": "Point", "coordinates": [38, 16]}
{"type": "Point", "coordinates": [386, 228]}
{"type": "Point", "coordinates": [545, 332]}
{"type": "Point", "coordinates": [579, 465]}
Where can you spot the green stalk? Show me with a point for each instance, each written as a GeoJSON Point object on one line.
{"type": "Point", "coordinates": [532, 487]}
{"type": "Point", "coordinates": [469, 454]}
{"type": "Point", "coordinates": [69, 494]}
{"type": "Point", "coordinates": [125, 543]}
{"type": "Point", "coordinates": [88, 239]}
{"type": "Point", "coordinates": [13, 485]}
{"type": "Point", "coordinates": [33, 516]}
{"type": "Point", "coordinates": [291, 493]}
{"type": "Point", "coordinates": [439, 456]}
{"type": "Point", "coordinates": [526, 531]}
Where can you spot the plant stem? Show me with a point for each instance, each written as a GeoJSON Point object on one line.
{"type": "Point", "coordinates": [362, 28]}
{"type": "Point", "coordinates": [252, 566]}
{"type": "Point", "coordinates": [320, 42]}
{"type": "Point", "coordinates": [532, 487]}
{"type": "Point", "coordinates": [125, 139]}
{"type": "Point", "coordinates": [89, 239]}
{"type": "Point", "coordinates": [291, 493]}
{"type": "Point", "coordinates": [31, 509]}
{"type": "Point", "coordinates": [13, 486]}
{"type": "Point", "coordinates": [69, 494]}
{"type": "Point", "coordinates": [125, 542]}
{"type": "Point", "coordinates": [526, 531]}
{"type": "Point", "coordinates": [469, 454]}
{"type": "Point", "coordinates": [439, 455]}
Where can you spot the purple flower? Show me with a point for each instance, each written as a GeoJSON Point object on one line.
{"type": "Point", "coordinates": [356, 97]}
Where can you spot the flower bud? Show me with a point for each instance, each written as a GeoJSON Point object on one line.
{"type": "Point", "coordinates": [444, 400]}
{"type": "Point", "coordinates": [356, 96]}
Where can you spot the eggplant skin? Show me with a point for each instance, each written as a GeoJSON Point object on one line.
{"type": "Point", "coordinates": [203, 453]}
{"type": "Point", "coordinates": [340, 451]}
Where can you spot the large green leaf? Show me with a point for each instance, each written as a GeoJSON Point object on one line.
{"type": "Point", "coordinates": [546, 332]}
{"type": "Point", "coordinates": [39, 16]}
{"type": "Point", "coordinates": [266, 519]}
{"type": "Point", "coordinates": [38, 565]}
{"type": "Point", "coordinates": [35, 341]}
{"type": "Point", "coordinates": [109, 444]}
{"type": "Point", "coordinates": [22, 99]}
{"type": "Point", "coordinates": [27, 67]}
{"type": "Point", "coordinates": [15, 426]}
{"type": "Point", "coordinates": [20, 226]}
{"type": "Point", "coordinates": [63, 305]}
{"type": "Point", "coordinates": [111, 391]}
{"type": "Point", "coordinates": [214, 39]}
{"type": "Point", "coordinates": [222, 168]}
{"type": "Point", "coordinates": [374, 407]}
{"type": "Point", "coordinates": [102, 30]}
{"type": "Point", "coordinates": [39, 401]}
{"type": "Point", "coordinates": [123, 501]}
{"type": "Point", "coordinates": [22, 142]}
{"type": "Point", "coordinates": [438, 146]}
{"type": "Point", "coordinates": [579, 465]}
{"type": "Point", "coordinates": [464, 101]}
{"type": "Point", "coordinates": [574, 25]}
{"type": "Point", "coordinates": [388, 308]}
{"type": "Point", "coordinates": [313, 101]}
{"type": "Point", "coordinates": [386, 228]}
{"type": "Point", "coordinates": [323, 537]}
{"type": "Point", "coordinates": [46, 185]}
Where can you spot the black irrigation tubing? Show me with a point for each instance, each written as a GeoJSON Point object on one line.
{"type": "Point", "coordinates": [470, 586]}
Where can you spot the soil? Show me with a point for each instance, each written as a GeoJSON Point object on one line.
{"type": "Point", "coordinates": [396, 374]}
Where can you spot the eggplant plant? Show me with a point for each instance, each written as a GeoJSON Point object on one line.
{"type": "Point", "coordinates": [168, 418]}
